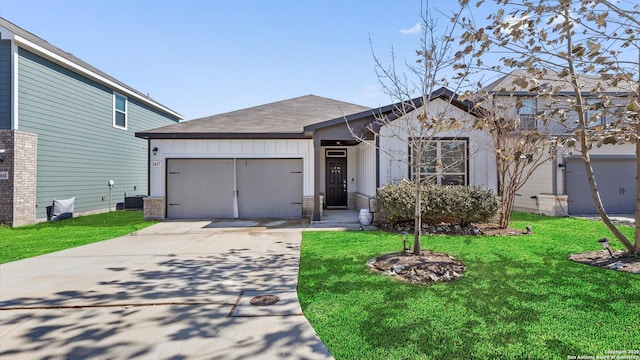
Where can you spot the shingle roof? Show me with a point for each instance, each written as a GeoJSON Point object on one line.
{"type": "Point", "coordinates": [73, 59]}
{"type": "Point", "coordinates": [505, 84]}
{"type": "Point", "coordinates": [284, 119]}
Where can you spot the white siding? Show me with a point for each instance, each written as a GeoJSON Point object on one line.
{"type": "Point", "coordinates": [394, 148]}
{"type": "Point", "coordinates": [228, 149]}
{"type": "Point", "coordinates": [540, 182]}
{"type": "Point", "coordinates": [366, 169]}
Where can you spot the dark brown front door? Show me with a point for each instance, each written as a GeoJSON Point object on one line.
{"type": "Point", "coordinates": [336, 191]}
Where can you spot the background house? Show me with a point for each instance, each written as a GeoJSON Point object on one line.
{"type": "Point", "coordinates": [66, 128]}
{"type": "Point", "coordinates": [290, 159]}
{"type": "Point", "coordinates": [560, 187]}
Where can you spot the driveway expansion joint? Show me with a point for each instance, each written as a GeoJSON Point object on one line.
{"type": "Point", "coordinates": [124, 305]}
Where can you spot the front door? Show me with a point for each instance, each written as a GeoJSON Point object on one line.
{"type": "Point", "coordinates": [336, 181]}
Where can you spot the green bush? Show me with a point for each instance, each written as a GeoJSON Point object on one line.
{"type": "Point", "coordinates": [440, 204]}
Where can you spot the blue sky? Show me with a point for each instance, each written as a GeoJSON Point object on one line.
{"type": "Point", "coordinates": [204, 57]}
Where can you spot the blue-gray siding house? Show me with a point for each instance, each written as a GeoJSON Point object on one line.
{"type": "Point", "coordinates": [66, 128]}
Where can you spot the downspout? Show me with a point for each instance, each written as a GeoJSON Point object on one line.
{"type": "Point", "coordinates": [148, 167]}
{"type": "Point", "coordinates": [377, 162]}
{"type": "Point", "coordinates": [554, 176]}
{"type": "Point", "coordinates": [316, 178]}
{"type": "Point", "coordinates": [14, 85]}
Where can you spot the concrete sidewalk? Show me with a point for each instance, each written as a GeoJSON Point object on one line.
{"type": "Point", "coordinates": [176, 290]}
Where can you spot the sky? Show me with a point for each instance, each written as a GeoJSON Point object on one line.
{"type": "Point", "coordinates": [206, 57]}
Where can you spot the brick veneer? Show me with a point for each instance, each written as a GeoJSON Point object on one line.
{"type": "Point", "coordinates": [18, 193]}
{"type": "Point", "coordinates": [154, 208]}
{"type": "Point", "coordinates": [307, 206]}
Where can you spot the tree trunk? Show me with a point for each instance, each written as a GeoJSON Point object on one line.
{"type": "Point", "coordinates": [507, 205]}
{"type": "Point", "coordinates": [418, 218]}
{"type": "Point", "coordinates": [595, 194]}
{"type": "Point", "coordinates": [637, 245]}
{"type": "Point", "coordinates": [582, 134]}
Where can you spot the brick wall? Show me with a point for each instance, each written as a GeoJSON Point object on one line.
{"type": "Point", "coordinates": [154, 208]}
{"type": "Point", "coordinates": [6, 186]}
{"type": "Point", "coordinates": [18, 193]}
{"type": "Point", "coordinates": [307, 206]}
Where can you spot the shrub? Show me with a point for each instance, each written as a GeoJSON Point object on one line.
{"type": "Point", "coordinates": [397, 202]}
{"type": "Point", "coordinates": [440, 204]}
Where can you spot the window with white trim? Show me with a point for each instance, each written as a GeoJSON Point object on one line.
{"type": "Point", "coordinates": [527, 114]}
{"type": "Point", "coordinates": [443, 161]}
{"type": "Point", "coordinates": [119, 111]}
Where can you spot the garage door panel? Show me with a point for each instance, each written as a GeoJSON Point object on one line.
{"type": "Point", "coordinates": [616, 183]}
{"type": "Point", "coordinates": [269, 188]}
{"type": "Point", "coordinates": [200, 188]}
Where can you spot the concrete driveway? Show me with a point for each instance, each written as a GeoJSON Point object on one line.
{"type": "Point", "coordinates": [176, 290]}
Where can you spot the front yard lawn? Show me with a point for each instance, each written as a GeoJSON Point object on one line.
{"type": "Point", "coordinates": [519, 299]}
{"type": "Point", "coordinates": [32, 240]}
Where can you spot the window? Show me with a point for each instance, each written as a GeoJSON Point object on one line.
{"type": "Point", "coordinates": [594, 115]}
{"type": "Point", "coordinates": [119, 111]}
{"type": "Point", "coordinates": [527, 114]}
{"type": "Point", "coordinates": [444, 162]}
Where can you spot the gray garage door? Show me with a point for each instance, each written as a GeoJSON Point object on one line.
{"type": "Point", "coordinates": [616, 182]}
{"type": "Point", "coordinates": [269, 188]}
{"type": "Point", "coordinates": [228, 188]}
{"type": "Point", "coordinates": [200, 188]}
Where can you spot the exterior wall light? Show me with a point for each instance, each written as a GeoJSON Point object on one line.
{"type": "Point", "coordinates": [155, 150]}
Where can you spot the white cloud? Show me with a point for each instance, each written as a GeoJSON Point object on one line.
{"type": "Point", "coordinates": [412, 30]}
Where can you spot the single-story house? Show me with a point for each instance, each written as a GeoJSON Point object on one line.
{"type": "Point", "coordinates": [66, 129]}
{"type": "Point", "coordinates": [292, 158]}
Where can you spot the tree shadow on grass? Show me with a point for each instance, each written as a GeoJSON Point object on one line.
{"type": "Point", "coordinates": [502, 308]}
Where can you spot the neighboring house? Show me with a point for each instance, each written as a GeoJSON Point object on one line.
{"type": "Point", "coordinates": [66, 128]}
{"type": "Point", "coordinates": [290, 159]}
{"type": "Point", "coordinates": [560, 187]}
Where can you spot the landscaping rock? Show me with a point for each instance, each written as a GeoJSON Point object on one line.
{"type": "Point", "coordinates": [425, 268]}
{"type": "Point", "coordinates": [620, 261]}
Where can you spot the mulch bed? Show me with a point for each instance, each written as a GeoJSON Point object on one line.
{"type": "Point", "coordinates": [431, 267]}
{"type": "Point", "coordinates": [620, 261]}
{"type": "Point", "coordinates": [426, 268]}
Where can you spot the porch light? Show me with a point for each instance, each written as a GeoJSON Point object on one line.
{"type": "Point", "coordinates": [605, 244]}
{"type": "Point", "coordinates": [155, 150]}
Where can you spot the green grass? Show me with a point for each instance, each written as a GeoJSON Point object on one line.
{"type": "Point", "coordinates": [519, 299]}
{"type": "Point", "coordinates": [32, 240]}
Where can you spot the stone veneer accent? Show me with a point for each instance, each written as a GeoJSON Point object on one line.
{"type": "Point", "coordinates": [18, 194]}
{"type": "Point", "coordinates": [307, 206]}
{"type": "Point", "coordinates": [553, 205]}
{"type": "Point", "coordinates": [154, 208]}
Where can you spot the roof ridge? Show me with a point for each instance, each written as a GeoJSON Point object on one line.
{"type": "Point", "coordinates": [279, 102]}
{"type": "Point", "coordinates": [40, 42]}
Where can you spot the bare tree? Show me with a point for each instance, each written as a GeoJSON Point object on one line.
{"type": "Point", "coordinates": [571, 40]}
{"type": "Point", "coordinates": [422, 108]}
{"type": "Point", "coordinates": [519, 150]}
